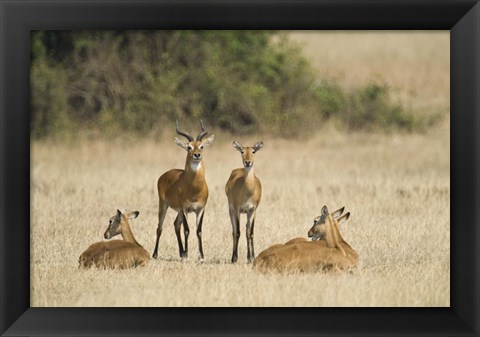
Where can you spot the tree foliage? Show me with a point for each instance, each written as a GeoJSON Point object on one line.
{"type": "Point", "coordinates": [241, 81]}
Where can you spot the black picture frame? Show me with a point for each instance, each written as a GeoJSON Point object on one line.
{"type": "Point", "coordinates": [18, 17]}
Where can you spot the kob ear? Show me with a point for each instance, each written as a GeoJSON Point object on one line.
{"type": "Point", "coordinates": [133, 215]}
{"type": "Point", "coordinates": [338, 212]}
{"type": "Point", "coordinates": [343, 218]}
{"type": "Point", "coordinates": [324, 210]}
{"type": "Point", "coordinates": [181, 143]}
{"type": "Point", "coordinates": [237, 146]}
{"type": "Point", "coordinates": [208, 141]}
{"type": "Point", "coordinates": [257, 146]}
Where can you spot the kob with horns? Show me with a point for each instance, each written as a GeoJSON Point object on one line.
{"type": "Point", "coordinates": [185, 191]}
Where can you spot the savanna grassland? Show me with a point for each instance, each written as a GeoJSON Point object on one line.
{"type": "Point", "coordinates": [396, 186]}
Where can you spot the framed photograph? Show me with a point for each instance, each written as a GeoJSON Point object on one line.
{"type": "Point", "coordinates": [50, 213]}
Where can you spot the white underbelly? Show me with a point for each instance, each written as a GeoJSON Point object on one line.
{"type": "Point", "coordinates": [247, 207]}
{"type": "Point", "coordinates": [193, 207]}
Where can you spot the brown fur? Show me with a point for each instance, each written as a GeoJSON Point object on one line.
{"type": "Point", "coordinates": [241, 188]}
{"type": "Point", "coordinates": [121, 254]}
{"type": "Point", "coordinates": [244, 191]}
{"type": "Point", "coordinates": [185, 191]}
{"type": "Point", "coordinates": [114, 254]}
{"type": "Point", "coordinates": [300, 255]}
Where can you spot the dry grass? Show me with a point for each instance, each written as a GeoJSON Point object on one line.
{"type": "Point", "coordinates": [415, 64]}
{"type": "Point", "coordinates": [397, 188]}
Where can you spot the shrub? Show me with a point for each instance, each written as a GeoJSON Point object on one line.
{"type": "Point", "coordinates": [48, 101]}
{"type": "Point", "coordinates": [240, 81]}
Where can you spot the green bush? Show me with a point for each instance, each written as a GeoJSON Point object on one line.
{"type": "Point", "coordinates": [371, 108]}
{"type": "Point", "coordinates": [48, 101]}
{"type": "Point", "coordinates": [240, 81]}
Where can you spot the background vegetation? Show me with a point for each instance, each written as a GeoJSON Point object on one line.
{"type": "Point", "coordinates": [395, 184]}
{"type": "Point", "coordinates": [239, 81]}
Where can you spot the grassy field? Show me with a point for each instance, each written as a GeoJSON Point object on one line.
{"type": "Point", "coordinates": [397, 188]}
{"type": "Point", "coordinates": [414, 64]}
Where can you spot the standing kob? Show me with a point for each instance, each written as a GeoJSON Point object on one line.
{"type": "Point", "coordinates": [244, 191]}
{"type": "Point", "coordinates": [185, 191]}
